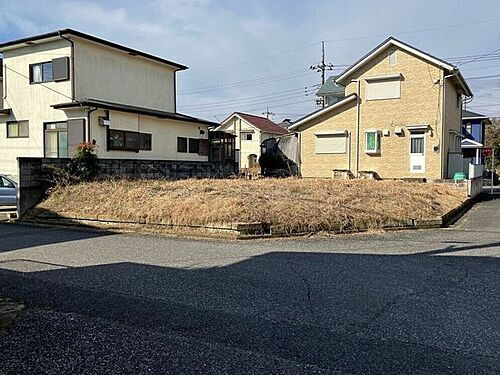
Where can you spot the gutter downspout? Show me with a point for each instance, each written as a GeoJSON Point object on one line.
{"type": "Point", "coordinates": [89, 112]}
{"type": "Point", "coordinates": [72, 74]}
{"type": "Point", "coordinates": [357, 126]}
{"type": "Point", "coordinates": [444, 154]}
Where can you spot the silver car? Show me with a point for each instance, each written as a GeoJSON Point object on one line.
{"type": "Point", "coordinates": [8, 192]}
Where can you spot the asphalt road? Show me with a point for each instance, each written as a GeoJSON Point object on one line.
{"type": "Point", "coordinates": [420, 302]}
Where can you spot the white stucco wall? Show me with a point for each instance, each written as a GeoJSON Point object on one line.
{"type": "Point", "coordinates": [163, 132]}
{"type": "Point", "coordinates": [236, 126]}
{"type": "Point", "coordinates": [30, 102]}
{"type": "Point", "coordinates": [112, 75]}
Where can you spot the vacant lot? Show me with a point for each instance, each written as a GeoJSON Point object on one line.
{"type": "Point", "coordinates": [293, 204]}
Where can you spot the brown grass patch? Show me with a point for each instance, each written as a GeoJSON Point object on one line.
{"type": "Point", "coordinates": [294, 204]}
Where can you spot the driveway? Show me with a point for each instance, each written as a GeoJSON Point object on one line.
{"type": "Point", "coordinates": [404, 302]}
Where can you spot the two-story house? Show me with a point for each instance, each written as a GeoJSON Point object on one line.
{"type": "Point", "coordinates": [65, 87]}
{"type": "Point", "coordinates": [331, 92]}
{"type": "Point", "coordinates": [473, 127]}
{"type": "Point", "coordinates": [250, 132]}
{"type": "Point", "coordinates": [400, 118]}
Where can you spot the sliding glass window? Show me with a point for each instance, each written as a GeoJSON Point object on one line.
{"type": "Point", "coordinates": [56, 140]}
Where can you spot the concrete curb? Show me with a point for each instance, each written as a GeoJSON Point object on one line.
{"type": "Point", "coordinates": [246, 231]}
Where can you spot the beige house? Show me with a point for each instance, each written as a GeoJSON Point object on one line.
{"type": "Point", "coordinates": [66, 87]}
{"type": "Point", "coordinates": [250, 131]}
{"type": "Point", "coordinates": [400, 118]}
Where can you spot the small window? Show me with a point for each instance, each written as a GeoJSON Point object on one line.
{"type": "Point", "coordinates": [181, 144]}
{"type": "Point", "coordinates": [41, 72]}
{"type": "Point", "coordinates": [391, 57]}
{"type": "Point", "coordinates": [383, 88]}
{"type": "Point", "coordinates": [247, 136]}
{"type": "Point", "coordinates": [372, 142]}
{"type": "Point", "coordinates": [459, 101]}
{"type": "Point", "coordinates": [116, 140]}
{"type": "Point", "coordinates": [17, 129]}
{"type": "Point", "coordinates": [145, 142]}
{"type": "Point", "coordinates": [331, 143]}
{"type": "Point", "coordinates": [194, 146]}
{"type": "Point", "coordinates": [132, 141]}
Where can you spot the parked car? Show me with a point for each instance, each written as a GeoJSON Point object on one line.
{"type": "Point", "coordinates": [8, 192]}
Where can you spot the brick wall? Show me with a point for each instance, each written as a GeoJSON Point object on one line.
{"type": "Point", "coordinates": [420, 104]}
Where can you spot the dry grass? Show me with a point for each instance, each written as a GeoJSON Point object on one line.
{"type": "Point", "coordinates": [294, 204]}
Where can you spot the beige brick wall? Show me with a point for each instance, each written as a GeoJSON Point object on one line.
{"type": "Point", "coordinates": [321, 165]}
{"type": "Point", "coordinates": [420, 104]}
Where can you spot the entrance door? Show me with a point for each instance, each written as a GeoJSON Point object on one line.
{"type": "Point", "coordinates": [417, 152]}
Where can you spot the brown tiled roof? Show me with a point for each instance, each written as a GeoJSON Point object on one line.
{"type": "Point", "coordinates": [262, 123]}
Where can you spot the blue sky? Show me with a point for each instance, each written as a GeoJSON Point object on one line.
{"type": "Point", "coordinates": [250, 55]}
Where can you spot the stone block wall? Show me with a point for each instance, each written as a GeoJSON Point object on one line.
{"type": "Point", "coordinates": [34, 179]}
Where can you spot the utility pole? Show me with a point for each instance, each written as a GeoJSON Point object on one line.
{"type": "Point", "coordinates": [322, 67]}
{"type": "Point", "coordinates": [268, 113]}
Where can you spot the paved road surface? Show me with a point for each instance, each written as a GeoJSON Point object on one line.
{"type": "Point", "coordinates": [404, 302]}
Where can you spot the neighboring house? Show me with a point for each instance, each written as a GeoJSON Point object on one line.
{"type": "Point", "coordinates": [66, 87]}
{"type": "Point", "coordinates": [400, 118]}
{"type": "Point", "coordinates": [331, 92]}
{"type": "Point", "coordinates": [250, 132]}
{"type": "Point", "coordinates": [473, 127]}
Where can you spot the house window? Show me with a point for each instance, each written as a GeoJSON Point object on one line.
{"type": "Point", "coordinates": [391, 57]}
{"type": "Point", "coordinates": [49, 71]}
{"type": "Point", "coordinates": [122, 140]}
{"type": "Point", "coordinates": [194, 146]}
{"type": "Point", "coordinates": [247, 136]}
{"type": "Point", "coordinates": [372, 142]}
{"type": "Point", "coordinates": [331, 143]}
{"type": "Point", "coordinates": [383, 88]}
{"type": "Point", "coordinates": [181, 144]}
{"type": "Point", "coordinates": [56, 140]}
{"type": "Point", "coordinates": [145, 142]}
{"type": "Point", "coordinates": [17, 129]}
{"type": "Point", "coordinates": [459, 101]}
{"type": "Point", "coordinates": [41, 72]}
{"type": "Point", "coordinates": [468, 129]}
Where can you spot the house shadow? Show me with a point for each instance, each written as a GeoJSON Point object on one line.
{"type": "Point", "coordinates": [354, 312]}
{"type": "Point", "coordinates": [27, 236]}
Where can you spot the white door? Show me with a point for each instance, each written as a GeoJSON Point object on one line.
{"type": "Point", "coordinates": [417, 152]}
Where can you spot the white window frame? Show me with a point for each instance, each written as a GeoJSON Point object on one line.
{"type": "Point", "coordinates": [377, 141]}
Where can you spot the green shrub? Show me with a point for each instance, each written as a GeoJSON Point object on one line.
{"type": "Point", "coordinates": [84, 165]}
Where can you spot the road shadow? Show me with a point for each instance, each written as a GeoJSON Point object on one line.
{"type": "Point", "coordinates": [355, 312]}
{"type": "Point", "coordinates": [27, 236]}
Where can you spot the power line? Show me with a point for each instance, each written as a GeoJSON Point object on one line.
{"type": "Point", "coordinates": [348, 39]}
{"type": "Point", "coordinates": [253, 102]}
{"type": "Point", "coordinates": [250, 81]}
{"type": "Point", "coordinates": [38, 83]}
{"type": "Point", "coordinates": [482, 56]}
{"type": "Point", "coordinates": [322, 67]}
{"type": "Point", "coordinates": [257, 97]}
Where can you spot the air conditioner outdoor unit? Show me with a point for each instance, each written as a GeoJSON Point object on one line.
{"type": "Point", "coordinates": [398, 131]}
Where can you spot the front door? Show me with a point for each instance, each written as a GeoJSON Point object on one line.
{"type": "Point", "coordinates": [417, 152]}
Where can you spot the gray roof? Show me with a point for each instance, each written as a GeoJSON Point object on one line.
{"type": "Point", "coordinates": [331, 88]}
{"type": "Point", "coordinates": [470, 114]}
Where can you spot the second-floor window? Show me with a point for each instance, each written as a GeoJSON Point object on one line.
{"type": "Point", "coordinates": [49, 71]}
{"type": "Point", "coordinates": [384, 87]}
{"type": "Point", "coordinates": [41, 72]}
